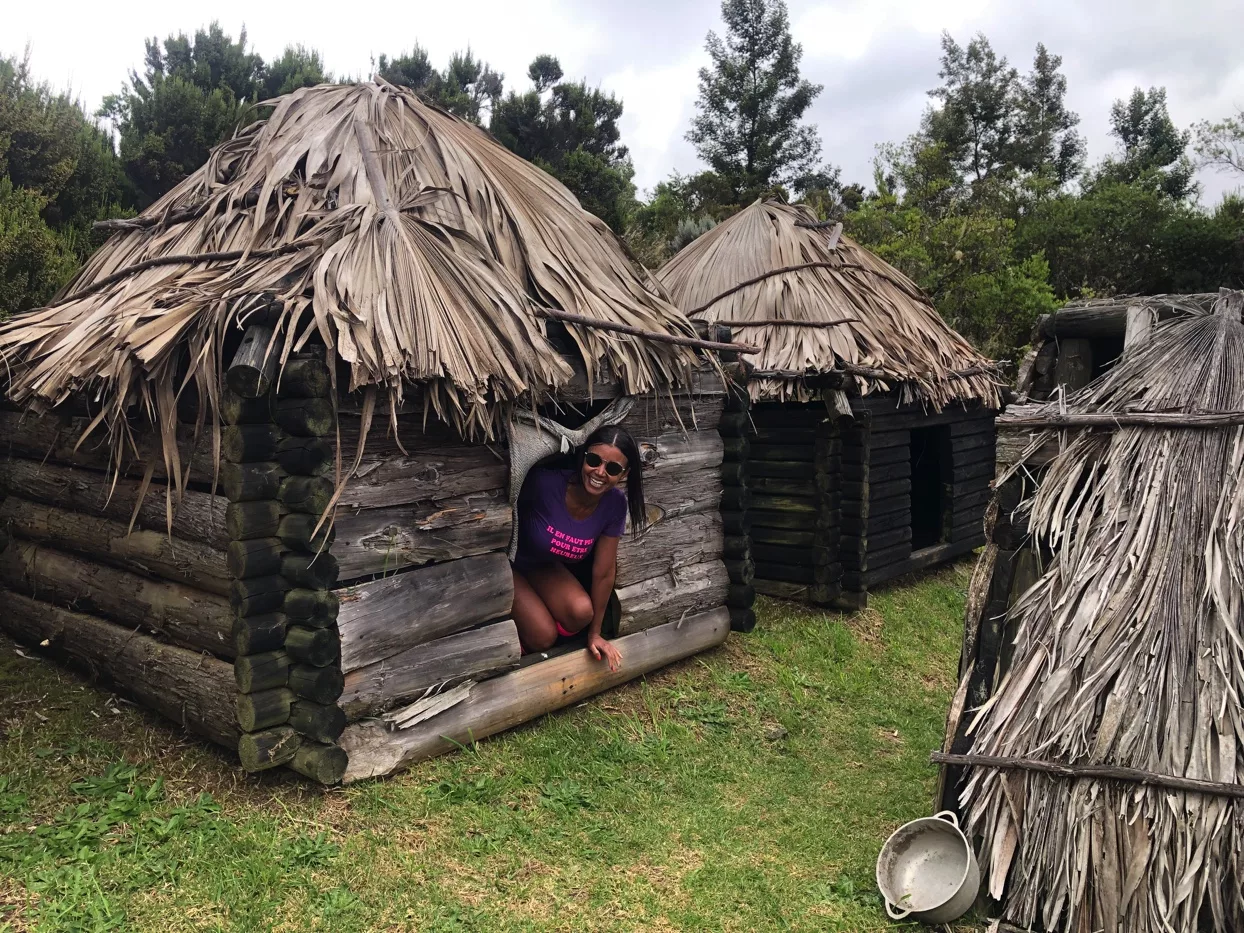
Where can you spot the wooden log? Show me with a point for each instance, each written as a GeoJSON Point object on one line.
{"type": "Point", "coordinates": [876, 491]}
{"type": "Point", "coordinates": [742, 620]}
{"type": "Point", "coordinates": [257, 634]}
{"type": "Point", "coordinates": [312, 607]}
{"type": "Point", "coordinates": [852, 507]}
{"type": "Point", "coordinates": [737, 424]}
{"type": "Point", "coordinates": [734, 474]}
{"type": "Point", "coordinates": [525, 694]}
{"type": "Point", "coordinates": [305, 456]}
{"type": "Point", "coordinates": [192, 689]}
{"type": "Point", "coordinates": [257, 595]}
{"type": "Point", "coordinates": [876, 542]}
{"type": "Point", "coordinates": [310, 571]}
{"type": "Point", "coordinates": [736, 499]}
{"type": "Point", "coordinates": [975, 422]}
{"type": "Point", "coordinates": [787, 453]}
{"type": "Point", "coordinates": [741, 571]}
{"type": "Point", "coordinates": [198, 516]}
{"type": "Point", "coordinates": [150, 553]}
{"type": "Point", "coordinates": [882, 457]}
{"type": "Point", "coordinates": [186, 616]}
{"type": "Point", "coordinates": [677, 452]}
{"type": "Point", "coordinates": [794, 556]}
{"type": "Point", "coordinates": [919, 560]}
{"type": "Point", "coordinates": [854, 526]}
{"type": "Point", "coordinates": [234, 409]}
{"type": "Point", "coordinates": [246, 482]}
{"type": "Point", "coordinates": [250, 443]}
{"type": "Point", "coordinates": [675, 493]}
{"type": "Point", "coordinates": [247, 520]}
{"type": "Point", "coordinates": [318, 684]}
{"type": "Point", "coordinates": [257, 557]}
{"type": "Point", "coordinates": [736, 449]}
{"type": "Point", "coordinates": [381, 618]}
{"type": "Point", "coordinates": [779, 469]}
{"type": "Point", "coordinates": [264, 709]}
{"type": "Point", "coordinates": [736, 523]}
{"type": "Point", "coordinates": [305, 417]}
{"type": "Point", "coordinates": [253, 369]}
{"type": "Point", "coordinates": [424, 474]}
{"type": "Point", "coordinates": [973, 441]}
{"type": "Point", "coordinates": [320, 722]}
{"type": "Point", "coordinates": [325, 764]}
{"type": "Point", "coordinates": [806, 520]}
{"type": "Point", "coordinates": [297, 531]}
{"type": "Point", "coordinates": [1074, 367]}
{"type": "Point", "coordinates": [257, 672]}
{"type": "Point", "coordinates": [740, 596]}
{"type": "Point", "coordinates": [878, 558]}
{"type": "Point", "coordinates": [875, 473]}
{"type": "Point", "coordinates": [667, 545]}
{"type": "Point", "coordinates": [785, 537]}
{"type": "Point", "coordinates": [385, 540]}
{"type": "Point", "coordinates": [787, 504]}
{"type": "Point", "coordinates": [475, 654]}
{"type": "Point", "coordinates": [798, 574]}
{"type": "Point", "coordinates": [308, 494]}
{"type": "Point", "coordinates": [654, 415]}
{"type": "Point", "coordinates": [817, 595]}
{"type": "Point", "coordinates": [804, 488]}
{"type": "Point", "coordinates": [736, 547]}
{"type": "Point", "coordinates": [316, 647]}
{"type": "Point", "coordinates": [304, 378]}
{"type": "Point", "coordinates": [259, 751]}
{"type": "Point", "coordinates": [682, 591]}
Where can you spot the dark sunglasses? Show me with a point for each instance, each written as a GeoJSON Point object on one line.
{"type": "Point", "coordinates": [612, 467]}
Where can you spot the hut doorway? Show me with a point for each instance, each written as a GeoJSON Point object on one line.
{"type": "Point", "coordinates": [930, 485]}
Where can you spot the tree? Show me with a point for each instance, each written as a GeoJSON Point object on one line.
{"type": "Point", "coordinates": [752, 99]}
{"type": "Point", "coordinates": [1221, 145]}
{"type": "Point", "coordinates": [465, 86]}
{"type": "Point", "coordinates": [297, 67]}
{"type": "Point", "coordinates": [34, 260]}
{"type": "Point", "coordinates": [1153, 151]}
{"type": "Point", "coordinates": [680, 208]}
{"type": "Point", "coordinates": [1049, 146]}
{"type": "Point", "coordinates": [571, 131]}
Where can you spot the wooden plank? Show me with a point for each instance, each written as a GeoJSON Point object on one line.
{"type": "Point", "coordinates": [791, 573]}
{"type": "Point", "coordinates": [853, 507]}
{"type": "Point", "coordinates": [810, 487]}
{"type": "Point", "coordinates": [882, 457]}
{"type": "Point", "coordinates": [192, 689]}
{"type": "Point", "coordinates": [669, 545]}
{"type": "Point", "coordinates": [385, 540]}
{"type": "Point", "coordinates": [378, 619]}
{"type": "Point", "coordinates": [875, 524]}
{"type": "Point", "coordinates": [876, 473]}
{"type": "Point", "coordinates": [980, 421]}
{"type": "Point", "coordinates": [517, 697]}
{"type": "Point", "coordinates": [789, 504]}
{"type": "Point", "coordinates": [876, 542]}
{"type": "Point", "coordinates": [474, 654]}
{"type": "Point", "coordinates": [972, 441]}
{"type": "Point", "coordinates": [657, 416]}
{"type": "Point", "coordinates": [671, 492]}
{"type": "Point", "coordinates": [683, 591]}
{"type": "Point", "coordinates": [387, 477]}
{"type": "Point", "coordinates": [980, 470]}
{"type": "Point", "coordinates": [197, 517]}
{"type": "Point", "coordinates": [968, 458]}
{"type": "Point", "coordinates": [778, 469]}
{"type": "Point", "coordinates": [149, 553]}
{"type": "Point", "coordinates": [919, 560]}
{"type": "Point", "coordinates": [186, 616]}
{"type": "Point", "coordinates": [794, 556]}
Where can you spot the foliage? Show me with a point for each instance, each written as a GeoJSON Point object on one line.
{"type": "Point", "coordinates": [1221, 144]}
{"type": "Point", "coordinates": [752, 99]}
{"type": "Point", "coordinates": [747, 789]}
{"type": "Point", "coordinates": [653, 232]}
{"type": "Point", "coordinates": [571, 131]}
{"type": "Point", "coordinates": [193, 93]}
{"type": "Point", "coordinates": [464, 88]}
{"type": "Point", "coordinates": [1153, 152]}
{"type": "Point", "coordinates": [35, 260]}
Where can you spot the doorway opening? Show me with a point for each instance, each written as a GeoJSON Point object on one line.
{"type": "Point", "coordinates": [930, 486]}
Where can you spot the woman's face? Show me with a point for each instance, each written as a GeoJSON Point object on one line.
{"type": "Point", "coordinates": [597, 479]}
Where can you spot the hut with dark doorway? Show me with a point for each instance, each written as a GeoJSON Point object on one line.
{"type": "Point", "coordinates": [868, 436]}
{"type": "Point", "coordinates": [259, 458]}
{"type": "Point", "coordinates": [1093, 747]}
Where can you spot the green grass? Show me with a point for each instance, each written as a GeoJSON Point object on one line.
{"type": "Point", "coordinates": [747, 789]}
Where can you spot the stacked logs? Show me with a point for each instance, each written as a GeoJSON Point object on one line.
{"type": "Point", "coordinates": [276, 461]}
{"type": "Point", "coordinates": [737, 546]}
{"type": "Point", "coordinates": [795, 482]}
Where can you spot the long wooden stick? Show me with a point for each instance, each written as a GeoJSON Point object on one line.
{"type": "Point", "coordinates": [846, 369]}
{"type": "Point", "coordinates": [586, 321]}
{"type": "Point", "coordinates": [780, 322]}
{"type": "Point", "coordinates": [1108, 772]}
{"type": "Point", "coordinates": [1127, 419]}
{"type": "Point", "coordinates": [189, 259]}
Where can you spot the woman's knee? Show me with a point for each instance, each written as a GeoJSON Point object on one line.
{"type": "Point", "coordinates": [580, 611]}
{"type": "Point", "coordinates": [538, 638]}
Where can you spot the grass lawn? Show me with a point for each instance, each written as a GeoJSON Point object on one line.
{"type": "Point", "coordinates": [749, 788]}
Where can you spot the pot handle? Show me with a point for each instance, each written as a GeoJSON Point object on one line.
{"type": "Point", "coordinates": [949, 816]}
{"type": "Point", "coordinates": [894, 912]}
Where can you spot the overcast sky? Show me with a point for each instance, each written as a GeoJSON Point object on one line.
{"type": "Point", "coordinates": [876, 58]}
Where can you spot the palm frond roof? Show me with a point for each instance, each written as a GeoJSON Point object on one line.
{"type": "Point", "coordinates": [781, 283]}
{"type": "Point", "coordinates": [410, 242]}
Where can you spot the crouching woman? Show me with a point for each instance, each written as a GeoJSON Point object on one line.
{"type": "Point", "coordinates": [570, 522]}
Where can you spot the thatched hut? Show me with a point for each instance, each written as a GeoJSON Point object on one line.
{"type": "Point", "coordinates": [259, 457]}
{"type": "Point", "coordinates": [1094, 743]}
{"type": "Point", "coordinates": [870, 436]}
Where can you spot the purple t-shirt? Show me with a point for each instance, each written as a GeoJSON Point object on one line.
{"type": "Point", "coordinates": [547, 532]}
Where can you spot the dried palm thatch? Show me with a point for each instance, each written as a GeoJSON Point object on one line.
{"type": "Point", "coordinates": [1129, 652]}
{"type": "Point", "coordinates": [805, 280]}
{"type": "Point", "coordinates": [411, 243]}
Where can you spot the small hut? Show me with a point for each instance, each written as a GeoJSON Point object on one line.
{"type": "Point", "coordinates": [1094, 743]}
{"type": "Point", "coordinates": [869, 443]}
{"type": "Point", "coordinates": [259, 457]}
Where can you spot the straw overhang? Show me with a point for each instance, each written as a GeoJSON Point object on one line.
{"type": "Point", "coordinates": [820, 305]}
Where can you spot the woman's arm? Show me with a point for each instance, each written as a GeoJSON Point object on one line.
{"type": "Point", "coordinates": [604, 570]}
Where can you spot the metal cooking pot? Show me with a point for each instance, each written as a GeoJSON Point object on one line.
{"type": "Point", "coordinates": [927, 870]}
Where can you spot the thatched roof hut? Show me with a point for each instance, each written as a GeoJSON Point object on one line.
{"type": "Point", "coordinates": [836, 324]}
{"type": "Point", "coordinates": [1095, 739]}
{"type": "Point", "coordinates": [187, 416]}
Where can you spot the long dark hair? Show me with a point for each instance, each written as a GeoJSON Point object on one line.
{"type": "Point", "coordinates": [618, 437]}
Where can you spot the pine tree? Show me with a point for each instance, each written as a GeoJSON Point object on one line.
{"type": "Point", "coordinates": [1154, 152]}
{"type": "Point", "coordinates": [1049, 145]}
{"type": "Point", "coordinates": [752, 99]}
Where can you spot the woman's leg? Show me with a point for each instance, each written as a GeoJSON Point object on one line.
{"type": "Point", "coordinates": [563, 597]}
{"type": "Point", "coordinates": [536, 629]}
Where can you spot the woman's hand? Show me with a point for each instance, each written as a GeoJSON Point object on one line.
{"type": "Point", "coordinates": [600, 647]}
